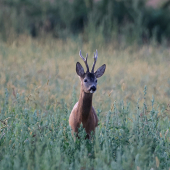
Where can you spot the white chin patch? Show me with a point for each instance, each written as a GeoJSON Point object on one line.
{"type": "Point", "coordinates": [91, 91]}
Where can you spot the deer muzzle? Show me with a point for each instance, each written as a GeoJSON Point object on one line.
{"type": "Point", "coordinates": [92, 89]}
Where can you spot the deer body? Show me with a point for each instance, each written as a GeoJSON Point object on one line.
{"type": "Point", "coordinates": [83, 111]}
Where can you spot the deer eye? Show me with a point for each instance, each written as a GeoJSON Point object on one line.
{"type": "Point", "coordinates": [96, 81]}
{"type": "Point", "coordinates": [85, 80]}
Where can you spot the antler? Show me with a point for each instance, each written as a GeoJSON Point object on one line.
{"type": "Point", "coordinates": [85, 60]}
{"type": "Point", "coordinates": [95, 59]}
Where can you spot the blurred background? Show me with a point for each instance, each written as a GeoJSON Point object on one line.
{"type": "Point", "coordinates": [121, 20]}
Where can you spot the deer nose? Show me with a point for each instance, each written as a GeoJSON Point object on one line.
{"type": "Point", "coordinates": [93, 88]}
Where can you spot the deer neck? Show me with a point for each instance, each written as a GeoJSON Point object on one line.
{"type": "Point", "coordinates": [84, 105]}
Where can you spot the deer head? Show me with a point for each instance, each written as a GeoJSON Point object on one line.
{"type": "Point", "coordinates": [89, 79]}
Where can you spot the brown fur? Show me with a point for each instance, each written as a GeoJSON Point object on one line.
{"type": "Point", "coordinates": [83, 112]}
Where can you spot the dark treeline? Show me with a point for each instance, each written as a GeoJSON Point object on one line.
{"type": "Point", "coordinates": [61, 18]}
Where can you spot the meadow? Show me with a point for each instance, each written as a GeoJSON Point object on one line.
{"type": "Point", "coordinates": [39, 87]}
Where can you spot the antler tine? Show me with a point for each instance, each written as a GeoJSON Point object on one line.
{"type": "Point", "coordinates": [95, 59]}
{"type": "Point", "coordinates": [85, 60]}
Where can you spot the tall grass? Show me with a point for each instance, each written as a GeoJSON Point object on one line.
{"type": "Point", "coordinates": [33, 138]}
{"type": "Point", "coordinates": [39, 87]}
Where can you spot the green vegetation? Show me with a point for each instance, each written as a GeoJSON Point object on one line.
{"type": "Point", "coordinates": [130, 20]}
{"type": "Point", "coordinates": [39, 86]}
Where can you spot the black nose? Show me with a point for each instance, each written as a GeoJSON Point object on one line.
{"type": "Point", "coordinates": [93, 88]}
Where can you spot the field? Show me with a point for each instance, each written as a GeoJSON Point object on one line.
{"type": "Point", "coordinates": [39, 87]}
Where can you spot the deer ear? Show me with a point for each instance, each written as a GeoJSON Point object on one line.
{"type": "Point", "coordinates": [100, 71]}
{"type": "Point", "coordinates": [79, 69]}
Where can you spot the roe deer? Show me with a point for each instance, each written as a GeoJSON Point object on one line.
{"type": "Point", "coordinates": [83, 111]}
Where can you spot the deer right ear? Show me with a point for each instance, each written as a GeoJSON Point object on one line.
{"type": "Point", "coordinates": [79, 69]}
{"type": "Point", "coordinates": [100, 71]}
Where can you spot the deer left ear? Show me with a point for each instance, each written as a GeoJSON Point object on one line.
{"type": "Point", "coordinates": [100, 71]}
